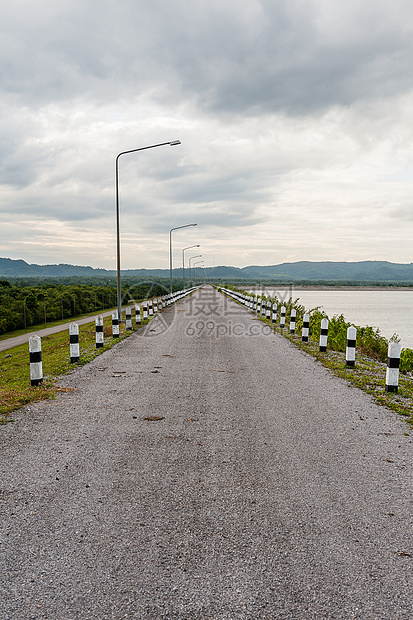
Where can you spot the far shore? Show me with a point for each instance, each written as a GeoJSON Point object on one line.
{"type": "Point", "coordinates": [325, 287]}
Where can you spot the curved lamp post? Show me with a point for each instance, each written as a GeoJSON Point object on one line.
{"type": "Point", "coordinates": [190, 273]}
{"type": "Point", "coordinates": [183, 262]}
{"type": "Point", "coordinates": [170, 252]}
{"type": "Point", "coordinates": [196, 271]}
{"type": "Point", "coordinates": [143, 148]}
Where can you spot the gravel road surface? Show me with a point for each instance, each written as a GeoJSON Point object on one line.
{"type": "Point", "coordinates": [269, 489]}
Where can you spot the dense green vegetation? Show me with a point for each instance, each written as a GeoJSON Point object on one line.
{"type": "Point", "coordinates": [24, 303]}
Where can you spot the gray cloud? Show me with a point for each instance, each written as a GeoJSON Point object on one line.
{"type": "Point", "coordinates": [292, 115]}
{"type": "Point", "coordinates": [235, 57]}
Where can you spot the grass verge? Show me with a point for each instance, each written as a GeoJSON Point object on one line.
{"type": "Point", "coordinates": [15, 388]}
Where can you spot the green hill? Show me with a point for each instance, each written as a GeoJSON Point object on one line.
{"type": "Point", "coordinates": [303, 271]}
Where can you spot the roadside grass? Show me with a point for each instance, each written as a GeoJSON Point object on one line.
{"type": "Point", "coordinates": [15, 388]}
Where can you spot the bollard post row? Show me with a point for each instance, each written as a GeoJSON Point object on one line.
{"type": "Point", "coordinates": [260, 306]}
{"type": "Point", "coordinates": [35, 343]}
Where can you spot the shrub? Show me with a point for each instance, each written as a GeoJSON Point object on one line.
{"type": "Point", "coordinates": [371, 343]}
{"type": "Point", "coordinates": [406, 361]}
{"type": "Point", "coordinates": [337, 333]}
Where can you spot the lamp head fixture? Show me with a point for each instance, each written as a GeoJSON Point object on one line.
{"type": "Point", "coordinates": [174, 142]}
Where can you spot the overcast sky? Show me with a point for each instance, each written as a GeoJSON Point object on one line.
{"type": "Point", "coordinates": [295, 117]}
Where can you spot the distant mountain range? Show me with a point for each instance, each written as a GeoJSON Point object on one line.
{"type": "Point", "coordinates": [302, 271]}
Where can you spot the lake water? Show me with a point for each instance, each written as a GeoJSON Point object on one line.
{"type": "Point", "coordinates": [391, 310]}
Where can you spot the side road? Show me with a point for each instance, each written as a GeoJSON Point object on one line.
{"type": "Point", "coordinates": [9, 343]}
{"type": "Point", "coordinates": [207, 469]}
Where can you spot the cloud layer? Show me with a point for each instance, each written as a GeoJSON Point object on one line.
{"type": "Point", "coordinates": [295, 120]}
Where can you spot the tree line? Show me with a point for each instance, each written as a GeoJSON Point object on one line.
{"type": "Point", "coordinates": [25, 303]}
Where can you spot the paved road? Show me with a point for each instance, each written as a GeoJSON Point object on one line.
{"type": "Point", "coordinates": [9, 343]}
{"type": "Point", "coordinates": [269, 489]}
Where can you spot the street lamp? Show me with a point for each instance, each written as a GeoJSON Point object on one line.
{"type": "Point", "coordinates": [170, 252]}
{"type": "Point", "coordinates": [196, 273]}
{"type": "Point", "coordinates": [189, 262]}
{"type": "Point", "coordinates": [143, 148]}
{"type": "Point", "coordinates": [183, 263]}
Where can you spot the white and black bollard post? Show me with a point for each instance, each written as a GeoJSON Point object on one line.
{"type": "Point", "coordinates": [263, 306]}
{"type": "Point", "coordinates": [155, 306]}
{"type": "Point", "coordinates": [74, 342]}
{"type": "Point", "coordinates": [35, 353]}
{"type": "Point", "coordinates": [293, 318]}
{"type": "Point", "coordinates": [306, 328]}
{"type": "Point", "coordinates": [268, 315]}
{"type": "Point", "coordinates": [115, 324]}
{"type": "Point", "coordinates": [128, 318]}
{"type": "Point", "coordinates": [99, 331]}
{"type": "Point", "coordinates": [323, 335]}
{"type": "Point", "coordinates": [351, 346]}
{"type": "Point", "coordinates": [137, 314]}
{"type": "Point", "coordinates": [282, 317]}
{"type": "Point", "coordinates": [274, 312]}
{"type": "Point", "coordinates": [393, 365]}
{"type": "Point", "coordinates": [259, 305]}
{"type": "Point", "coordinates": [150, 307]}
{"type": "Point", "coordinates": [145, 310]}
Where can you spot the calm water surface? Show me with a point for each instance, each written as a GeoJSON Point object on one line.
{"type": "Point", "coordinates": [390, 310]}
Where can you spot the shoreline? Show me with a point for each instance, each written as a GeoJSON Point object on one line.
{"type": "Point", "coordinates": [321, 287]}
